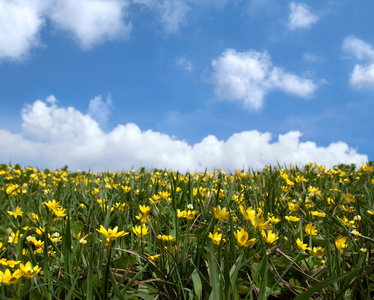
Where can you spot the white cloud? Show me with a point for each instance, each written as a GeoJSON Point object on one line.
{"type": "Point", "coordinates": [99, 110]}
{"type": "Point", "coordinates": [20, 24]}
{"type": "Point", "coordinates": [300, 16]}
{"type": "Point", "coordinates": [249, 76]}
{"type": "Point", "coordinates": [311, 58]}
{"type": "Point", "coordinates": [362, 75]}
{"type": "Point", "coordinates": [55, 136]}
{"type": "Point", "coordinates": [184, 63]}
{"type": "Point", "coordinates": [173, 14]}
{"type": "Point", "coordinates": [91, 21]}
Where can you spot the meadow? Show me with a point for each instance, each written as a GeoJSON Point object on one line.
{"type": "Point", "coordinates": [278, 233]}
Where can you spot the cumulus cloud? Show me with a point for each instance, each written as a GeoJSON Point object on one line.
{"type": "Point", "coordinates": [20, 24]}
{"type": "Point", "coordinates": [300, 16]}
{"type": "Point", "coordinates": [99, 109]}
{"type": "Point", "coordinates": [91, 21]}
{"type": "Point", "coordinates": [55, 136]}
{"type": "Point", "coordinates": [362, 74]}
{"type": "Point", "coordinates": [249, 76]}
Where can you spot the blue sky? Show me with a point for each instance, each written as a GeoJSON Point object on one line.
{"type": "Point", "coordinates": [185, 84]}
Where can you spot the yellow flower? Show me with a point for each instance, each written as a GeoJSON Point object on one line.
{"type": "Point", "coordinates": [247, 214]}
{"type": "Point", "coordinates": [270, 237]}
{"type": "Point", "coordinates": [293, 206]}
{"type": "Point", "coordinates": [8, 278]}
{"type": "Point", "coordinates": [51, 204]}
{"type": "Point", "coordinates": [221, 214]}
{"type": "Point", "coordinates": [314, 191]}
{"type": "Point", "coordinates": [216, 238]}
{"type": "Point", "coordinates": [363, 250]}
{"type": "Point", "coordinates": [59, 212]}
{"type": "Point", "coordinates": [9, 263]}
{"type": "Point", "coordinates": [144, 209]}
{"type": "Point", "coordinates": [140, 230]}
{"type": "Point", "coordinates": [155, 257]}
{"type": "Point", "coordinates": [370, 211]}
{"type": "Point", "coordinates": [111, 234]}
{"type": "Point", "coordinates": [310, 229]}
{"type": "Point", "coordinates": [317, 251]}
{"type": "Point", "coordinates": [166, 238]}
{"type": "Point", "coordinates": [142, 218]}
{"type": "Point", "coordinates": [242, 238]}
{"type": "Point", "coordinates": [190, 214]}
{"type": "Point", "coordinates": [28, 271]}
{"type": "Point", "coordinates": [16, 213]}
{"type": "Point", "coordinates": [258, 222]}
{"type": "Point", "coordinates": [273, 220]}
{"type": "Point", "coordinates": [317, 214]}
{"type": "Point", "coordinates": [292, 218]}
{"type": "Point", "coordinates": [301, 245]}
{"type": "Point", "coordinates": [340, 243]}
{"type": "Point", "coordinates": [14, 237]}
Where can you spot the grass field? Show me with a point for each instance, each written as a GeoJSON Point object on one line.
{"type": "Point", "coordinates": [278, 233]}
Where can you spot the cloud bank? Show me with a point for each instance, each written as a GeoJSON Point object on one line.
{"type": "Point", "coordinates": [362, 74]}
{"type": "Point", "coordinates": [54, 136]}
{"type": "Point", "coordinates": [249, 76]}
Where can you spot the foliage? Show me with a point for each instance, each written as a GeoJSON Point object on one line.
{"type": "Point", "coordinates": [277, 233]}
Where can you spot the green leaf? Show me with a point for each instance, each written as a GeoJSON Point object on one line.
{"type": "Point", "coordinates": [319, 286]}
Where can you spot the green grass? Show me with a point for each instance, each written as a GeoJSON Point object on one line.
{"type": "Point", "coordinates": [187, 250]}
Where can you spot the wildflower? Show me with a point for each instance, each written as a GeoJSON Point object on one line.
{"type": "Point", "coordinates": [256, 256]}
{"type": "Point", "coordinates": [270, 237]}
{"type": "Point", "coordinates": [28, 271]}
{"type": "Point", "coordinates": [40, 230]}
{"type": "Point", "coordinates": [144, 209]}
{"type": "Point", "coordinates": [52, 205]}
{"type": "Point", "coordinates": [155, 257]}
{"type": "Point", "coordinates": [7, 278]}
{"type": "Point", "coordinates": [140, 230]}
{"type": "Point", "coordinates": [221, 214]}
{"type": "Point", "coordinates": [273, 220]}
{"type": "Point", "coordinates": [142, 218]}
{"type": "Point", "coordinates": [340, 243]}
{"type": "Point", "coordinates": [242, 238]}
{"type": "Point", "coordinates": [310, 229]}
{"type": "Point", "coordinates": [216, 237]}
{"type": "Point", "coordinates": [357, 218]}
{"type": "Point", "coordinates": [9, 263]}
{"type": "Point", "coordinates": [363, 250]}
{"type": "Point", "coordinates": [166, 238]}
{"type": "Point", "coordinates": [314, 191]}
{"type": "Point", "coordinates": [258, 222]}
{"type": "Point", "coordinates": [292, 218]}
{"type": "Point", "coordinates": [165, 195]}
{"type": "Point", "coordinates": [16, 213]}
{"type": "Point", "coordinates": [247, 214]}
{"type": "Point", "coordinates": [59, 212]}
{"type": "Point", "coordinates": [355, 232]}
{"type": "Point", "coordinates": [317, 252]}
{"type": "Point", "coordinates": [301, 245]}
{"type": "Point", "coordinates": [317, 214]}
{"type": "Point", "coordinates": [346, 222]}
{"type": "Point", "coordinates": [190, 206]}
{"type": "Point", "coordinates": [330, 201]}
{"type": "Point", "coordinates": [293, 206]}
{"type": "Point", "coordinates": [111, 234]}
{"type": "Point", "coordinates": [370, 212]}
{"type": "Point", "coordinates": [14, 237]}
